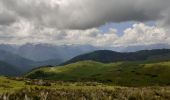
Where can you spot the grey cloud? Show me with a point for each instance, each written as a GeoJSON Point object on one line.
{"type": "Point", "coordinates": [6, 20]}
{"type": "Point", "coordinates": [84, 14]}
{"type": "Point", "coordinates": [6, 17]}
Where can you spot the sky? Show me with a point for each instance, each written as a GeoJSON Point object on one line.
{"type": "Point", "coordinates": [120, 27]}
{"type": "Point", "coordinates": [95, 22]}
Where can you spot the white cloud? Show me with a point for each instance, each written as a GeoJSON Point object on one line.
{"type": "Point", "coordinates": [143, 34]}
{"type": "Point", "coordinates": [139, 34]}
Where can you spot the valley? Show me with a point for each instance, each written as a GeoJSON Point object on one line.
{"type": "Point", "coordinates": [84, 50]}
{"type": "Point", "coordinates": [96, 75]}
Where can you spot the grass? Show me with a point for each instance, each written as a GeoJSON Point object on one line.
{"type": "Point", "coordinates": [121, 73]}
{"type": "Point", "coordinates": [59, 90]}
{"type": "Point", "coordinates": [7, 85]}
{"type": "Point", "coordinates": [93, 94]}
{"type": "Point", "coordinates": [90, 80]}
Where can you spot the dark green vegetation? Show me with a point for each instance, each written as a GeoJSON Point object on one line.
{"type": "Point", "coordinates": [106, 56]}
{"type": "Point", "coordinates": [120, 73]}
{"type": "Point", "coordinates": [19, 89]}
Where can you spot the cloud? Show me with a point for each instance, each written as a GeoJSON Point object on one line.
{"type": "Point", "coordinates": [6, 17]}
{"type": "Point", "coordinates": [139, 34]}
{"type": "Point", "coordinates": [85, 14]}
{"type": "Point", "coordinates": [77, 21]}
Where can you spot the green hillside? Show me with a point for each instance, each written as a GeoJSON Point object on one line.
{"type": "Point", "coordinates": [120, 73]}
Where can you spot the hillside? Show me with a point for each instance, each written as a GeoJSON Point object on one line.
{"type": "Point", "coordinates": [121, 73]}
{"type": "Point", "coordinates": [107, 56]}
{"type": "Point", "coordinates": [8, 70]}
{"type": "Point", "coordinates": [16, 60]}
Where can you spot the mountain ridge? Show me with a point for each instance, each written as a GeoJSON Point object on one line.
{"type": "Point", "coordinates": [108, 56]}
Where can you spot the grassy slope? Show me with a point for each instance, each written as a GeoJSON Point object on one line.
{"type": "Point", "coordinates": [18, 90]}
{"type": "Point", "coordinates": [122, 73]}
{"type": "Point", "coordinates": [7, 85]}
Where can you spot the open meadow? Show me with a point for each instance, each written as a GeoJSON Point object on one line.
{"type": "Point", "coordinates": [25, 89]}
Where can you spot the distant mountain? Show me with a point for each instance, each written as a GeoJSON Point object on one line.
{"type": "Point", "coordinates": [46, 52]}
{"type": "Point", "coordinates": [107, 56]}
{"type": "Point", "coordinates": [29, 56]}
{"type": "Point", "coordinates": [8, 69]}
{"type": "Point", "coordinates": [8, 48]}
{"type": "Point", "coordinates": [16, 60]}
{"type": "Point", "coordinates": [142, 47]}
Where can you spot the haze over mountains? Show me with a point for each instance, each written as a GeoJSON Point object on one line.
{"type": "Point", "coordinates": [16, 60]}
{"type": "Point", "coordinates": [43, 52]}
{"type": "Point", "coordinates": [8, 69]}
{"type": "Point", "coordinates": [30, 56]}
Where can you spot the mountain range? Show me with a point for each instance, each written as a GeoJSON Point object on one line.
{"type": "Point", "coordinates": [30, 56]}
{"type": "Point", "coordinates": [16, 60]}
{"type": "Point", "coordinates": [46, 52]}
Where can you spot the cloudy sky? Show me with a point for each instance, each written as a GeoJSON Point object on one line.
{"type": "Point", "coordinates": [95, 22]}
